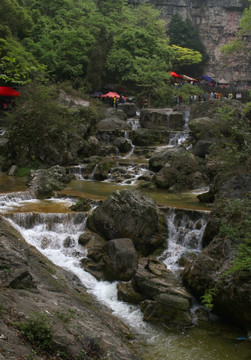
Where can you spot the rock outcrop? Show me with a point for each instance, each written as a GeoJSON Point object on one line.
{"type": "Point", "coordinates": [130, 214]}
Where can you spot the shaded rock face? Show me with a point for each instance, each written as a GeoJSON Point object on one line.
{"type": "Point", "coordinates": [234, 187]}
{"type": "Point", "coordinates": [120, 258]}
{"type": "Point", "coordinates": [130, 214]}
{"type": "Point", "coordinates": [217, 21]}
{"type": "Point", "coordinates": [161, 118]}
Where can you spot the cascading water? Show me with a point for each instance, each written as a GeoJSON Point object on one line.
{"type": "Point", "coordinates": [56, 237]}
{"type": "Point", "coordinates": [179, 137]}
{"type": "Point", "coordinates": [185, 230]}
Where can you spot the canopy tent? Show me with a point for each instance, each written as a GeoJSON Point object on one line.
{"type": "Point", "coordinates": [188, 78]}
{"type": "Point", "coordinates": [223, 81]}
{"type": "Point", "coordinates": [8, 91]}
{"type": "Point", "coordinates": [173, 74]}
{"type": "Point", "coordinates": [111, 94]}
{"type": "Point", "coordinates": [207, 78]}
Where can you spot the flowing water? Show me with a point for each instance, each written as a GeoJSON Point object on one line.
{"type": "Point", "coordinates": [53, 229]}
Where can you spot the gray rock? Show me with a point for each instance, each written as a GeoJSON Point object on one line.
{"type": "Point", "coordinates": [162, 119]}
{"type": "Point", "coordinates": [120, 258]}
{"type": "Point", "coordinates": [130, 214]}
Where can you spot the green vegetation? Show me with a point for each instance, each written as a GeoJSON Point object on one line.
{"type": "Point", "coordinates": [184, 35]}
{"type": "Point", "coordinates": [42, 130]}
{"type": "Point", "coordinates": [235, 224]}
{"type": "Point", "coordinates": [38, 330]}
{"type": "Point", "coordinates": [232, 149]}
{"type": "Point", "coordinates": [89, 43]}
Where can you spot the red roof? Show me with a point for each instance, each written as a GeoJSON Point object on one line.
{"type": "Point", "coordinates": [8, 91]}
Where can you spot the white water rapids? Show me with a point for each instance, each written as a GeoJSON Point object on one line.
{"type": "Point", "coordinates": [56, 235]}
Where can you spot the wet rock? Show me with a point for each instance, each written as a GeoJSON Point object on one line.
{"type": "Point", "coordinates": [120, 258]}
{"type": "Point", "coordinates": [207, 197]}
{"type": "Point", "coordinates": [167, 309]}
{"type": "Point", "coordinates": [160, 158]}
{"type": "Point", "coordinates": [130, 214]}
{"type": "Point", "coordinates": [112, 124]}
{"type": "Point", "coordinates": [146, 137]}
{"type": "Point", "coordinates": [161, 118]}
{"type": "Point", "coordinates": [81, 206]}
{"type": "Point", "coordinates": [165, 300]}
{"type": "Point", "coordinates": [124, 145]}
{"type": "Point", "coordinates": [128, 294]}
{"type": "Point", "coordinates": [128, 108]}
{"type": "Point", "coordinates": [44, 181]}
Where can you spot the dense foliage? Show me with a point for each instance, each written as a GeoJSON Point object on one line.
{"type": "Point", "coordinates": [183, 34]}
{"type": "Point", "coordinates": [89, 42]}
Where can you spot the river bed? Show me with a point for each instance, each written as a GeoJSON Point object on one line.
{"type": "Point", "coordinates": [214, 340]}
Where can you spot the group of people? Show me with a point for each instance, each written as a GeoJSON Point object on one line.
{"type": "Point", "coordinates": [193, 98]}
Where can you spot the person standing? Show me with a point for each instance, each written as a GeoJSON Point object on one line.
{"type": "Point", "coordinates": [190, 99]}
{"type": "Point", "coordinates": [180, 99]}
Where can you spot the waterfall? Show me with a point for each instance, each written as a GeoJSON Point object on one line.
{"type": "Point", "coordinates": [185, 230]}
{"type": "Point", "coordinates": [78, 171]}
{"type": "Point", "coordinates": [56, 237]}
{"type": "Point", "coordinates": [132, 146]}
{"type": "Point", "coordinates": [10, 201]}
{"type": "Point", "coordinates": [91, 176]}
{"type": "Point", "coordinates": [179, 137]}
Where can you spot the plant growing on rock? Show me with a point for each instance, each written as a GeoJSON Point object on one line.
{"type": "Point", "coordinates": [38, 330]}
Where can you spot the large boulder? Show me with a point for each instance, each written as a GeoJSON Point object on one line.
{"type": "Point", "coordinates": [160, 158]}
{"type": "Point", "coordinates": [120, 259]}
{"type": "Point", "coordinates": [161, 118]}
{"type": "Point", "coordinates": [130, 214]}
{"type": "Point", "coordinates": [112, 123]}
{"type": "Point", "coordinates": [43, 182]}
{"type": "Point", "coordinates": [124, 145]}
{"type": "Point", "coordinates": [204, 128]}
{"type": "Point", "coordinates": [146, 137]}
{"type": "Point", "coordinates": [128, 108]}
{"type": "Point", "coordinates": [183, 171]}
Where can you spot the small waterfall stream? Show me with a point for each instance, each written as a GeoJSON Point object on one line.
{"type": "Point", "coordinates": [185, 230]}
{"type": "Point", "coordinates": [56, 237]}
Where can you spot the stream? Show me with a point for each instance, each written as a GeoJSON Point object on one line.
{"type": "Point", "coordinates": [54, 229]}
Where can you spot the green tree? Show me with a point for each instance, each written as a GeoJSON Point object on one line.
{"type": "Point", "coordinates": [183, 34]}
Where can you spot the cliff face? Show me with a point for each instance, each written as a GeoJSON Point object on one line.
{"type": "Point", "coordinates": [217, 21]}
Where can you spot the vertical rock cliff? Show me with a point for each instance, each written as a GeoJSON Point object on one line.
{"type": "Point", "coordinates": [217, 21]}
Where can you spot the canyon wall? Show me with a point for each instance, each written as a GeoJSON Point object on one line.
{"type": "Point", "coordinates": [217, 21]}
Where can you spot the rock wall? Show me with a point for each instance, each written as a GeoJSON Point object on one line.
{"type": "Point", "coordinates": [217, 21]}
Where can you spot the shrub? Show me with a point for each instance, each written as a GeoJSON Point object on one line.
{"type": "Point", "coordinates": [38, 330]}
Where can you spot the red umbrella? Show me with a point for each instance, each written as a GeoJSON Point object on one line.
{"type": "Point", "coordinates": [111, 94]}
{"type": "Point", "coordinates": [8, 91]}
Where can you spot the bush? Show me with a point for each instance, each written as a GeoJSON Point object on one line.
{"type": "Point", "coordinates": [38, 330]}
